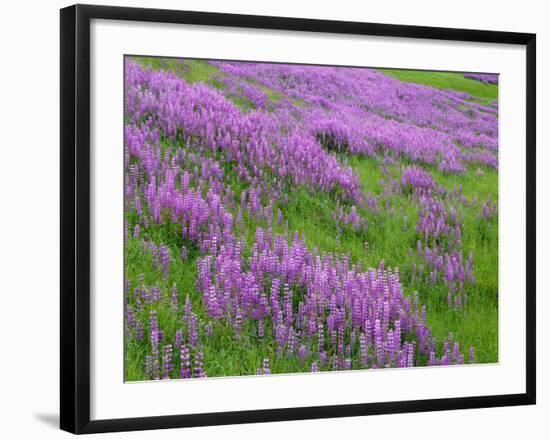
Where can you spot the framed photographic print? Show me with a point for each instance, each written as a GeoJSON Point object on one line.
{"type": "Point", "coordinates": [267, 218]}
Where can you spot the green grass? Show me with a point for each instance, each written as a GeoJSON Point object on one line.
{"type": "Point", "coordinates": [390, 236]}
{"type": "Point", "coordinates": [447, 81]}
{"type": "Point", "coordinates": [192, 70]}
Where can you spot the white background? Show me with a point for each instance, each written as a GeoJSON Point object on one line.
{"type": "Point", "coordinates": [30, 205]}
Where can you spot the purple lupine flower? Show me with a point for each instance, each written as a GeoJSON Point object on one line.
{"type": "Point", "coordinates": [198, 371]}
{"type": "Point", "coordinates": [238, 323]}
{"type": "Point", "coordinates": [192, 331]}
{"type": "Point", "coordinates": [183, 253]}
{"type": "Point", "coordinates": [433, 360]}
{"type": "Point", "coordinates": [280, 337]}
{"type": "Point", "coordinates": [378, 341]}
{"type": "Point", "coordinates": [175, 295]}
{"type": "Point", "coordinates": [320, 338]}
{"type": "Point", "coordinates": [291, 343]}
{"type": "Point", "coordinates": [363, 349]}
{"type": "Point", "coordinates": [139, 330]}
{"type": "Point", "coordinates": [138, 300]}
{"type": "Point", "coordinates": [149, 366]}
{"type": "Point", "coordinates": [287, 295]}
{"type": "Point", "coordinates": [130, 321]}
{"type": "Point", "coordinates": [302, 353]}
{"type": "Point", "coordinates": [265, 367]}
{"type": "Point", "coordinates": [279, 217]}
{"type": "Point", "coordinates": [178, 343]}
{"type": "Point", "coordinates": [209, 329]}
{"type": "Point", "coordinates": [167, 361]}
{"type": "Point", "coordinates": [187, 309]}
{"type": "Point", "coordinates": [155, 336]}
{"type": "Point", "coordinates": [323, 358]}
{"type": "Point", "coordinates": [164, 253]}
{"type": "Point", "coordinates": [185, 362]}
{"type": "Point", "coordinates": [155, 294]}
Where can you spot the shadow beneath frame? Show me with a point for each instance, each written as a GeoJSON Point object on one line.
{"type": "Point", "coordinates": [49, 419]}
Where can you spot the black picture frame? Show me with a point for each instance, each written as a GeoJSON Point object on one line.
{"type": "Point", "coordinates": [75, 217]}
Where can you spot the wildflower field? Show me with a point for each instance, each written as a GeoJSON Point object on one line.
{"type": "Point", "coordinates": [292, 218]}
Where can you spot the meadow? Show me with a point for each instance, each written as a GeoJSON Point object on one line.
{"type": "Point", "coordinates": [290, 218]}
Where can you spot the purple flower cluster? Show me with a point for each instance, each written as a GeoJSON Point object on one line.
{"type": "Point", "coordinates": [361, 110]}
{"type": "Point", "coordinates": [440, 228]}
{"type": "Point", "coordinates": [233, 88]}
{"type": "Point", "coordinates": [414, 177]}
{"type": "Point", "coordinates": [488, 78]}
{"type": "Point", "coordinates": [200, 116]}
{"type": "Point", "coordinates": [489, 209]}
{"type": "Point", "coordinates": [340, 309]}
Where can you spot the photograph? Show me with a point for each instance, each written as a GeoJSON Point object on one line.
{"type": "Point", "coordinates": [293, 218]}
